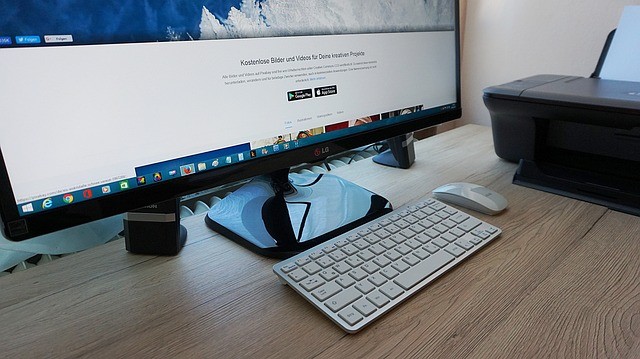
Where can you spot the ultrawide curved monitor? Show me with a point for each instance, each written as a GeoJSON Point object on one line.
{"type": "Point", "coordinates": [109, 106]}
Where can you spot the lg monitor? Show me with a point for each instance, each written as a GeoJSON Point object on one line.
{"type": "Point", "coordinates": [112, 106]}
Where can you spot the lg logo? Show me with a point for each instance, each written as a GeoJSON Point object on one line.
{"type": "Point", "coordinates": [321, 151]}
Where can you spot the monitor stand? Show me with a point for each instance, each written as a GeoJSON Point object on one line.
{"type": "Point", "coordinates": [281, 214]}
{"type": "Point", "coordinates": [401, 152]}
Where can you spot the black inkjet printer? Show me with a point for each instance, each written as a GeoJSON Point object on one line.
{"type": "Point", "coordinates": [574, 136]}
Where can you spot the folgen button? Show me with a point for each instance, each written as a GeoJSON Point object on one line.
{"type": "Point", "coordinates": [326, 90]}
{"type": "Point", "coordinates": [50, 39]}
{"type": "Point", "coordinates": [31, 39]}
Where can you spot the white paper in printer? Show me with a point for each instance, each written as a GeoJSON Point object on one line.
{"type": "Point", "coordinates": [623, 59]}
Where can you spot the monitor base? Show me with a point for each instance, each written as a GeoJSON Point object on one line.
{"type": "Point", "coordinates": [283, 214]}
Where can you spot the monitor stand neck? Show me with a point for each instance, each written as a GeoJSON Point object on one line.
{"type": "Point", "coordinates": [155, 229]}
{"type": "Point", "coordinates": [401, 152]}
{"type": "Point", "coordinates": [281, 214]}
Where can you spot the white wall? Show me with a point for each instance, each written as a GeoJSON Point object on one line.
{"type": "Point", "coordinates": [509, 39]}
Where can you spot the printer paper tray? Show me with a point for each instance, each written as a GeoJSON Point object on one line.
{"type": "Point", "coordinates": [571, 182]}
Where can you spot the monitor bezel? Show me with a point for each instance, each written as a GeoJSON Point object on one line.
{"type": "Point", "coordinates": [17, 228]}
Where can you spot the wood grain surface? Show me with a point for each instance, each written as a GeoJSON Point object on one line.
{"type": "Point", "coordinates": [563, 280]}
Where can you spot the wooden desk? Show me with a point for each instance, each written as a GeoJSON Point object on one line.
{"type": "Point", "coordinates": [563, 280]}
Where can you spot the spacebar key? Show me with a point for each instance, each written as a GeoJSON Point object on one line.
{"type": "Point", "coordinates": [423, 269]}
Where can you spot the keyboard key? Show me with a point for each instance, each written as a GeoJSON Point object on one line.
{"type": "Point", "coordinates": [459, 217]}
{"type": "Point", "coordinates": [471, 238]}
{"type": "Point", "coordinates": [464, 244]}
{"type": "Point", "coordinates": [391, 290]}
{"type": "Point", "coordinates": [403, 249]}
{"type": "Point", "coordinates": [378, 299]}
{"type": "Point", "coordinates": [420, 215]}
{"type": "Point", "coordinates": [407, 233]}
{"type": "Point", "coordinates": [302, 261]}
{"type": "Point", "coordinates": [382, 261]}
{"type": "Point", "coordinates": [298, 275]}
{"type": "Point", "coordinates": [469, 224]}
{"type": "Point", "coordinates": [421, 253]}
{"type": "Point", "coordinates": [392, 228]}
{"type": "Point", "coordinates": [433, 218]}
{"type": "Point", "coordinates": [364, 306]}
{"type": "Point", "coordinates": [364, 232]}
{"type": "Point", "coordinates": [422, 238]}
{"type": "Point", "coordinates": [312, 268]}
{"type": "Point", "coordinates": [411, 260]}
{"type": "Point", "coordinates": [382, 233]}
{"type": "Point", "coordinates": [449, 237]}
{"type": "Point", "coordinates": [411, 219]}
{"type": "Point", "coordinates": [432, 233]}
{"type": "Point", "coordinates": [437, 206]}
{"type": "Point", "coordinates": [329, 248]}
{"type": "Point", "coordinates": [343, 299]}
{"type": "Point", "coordinates": [351, 315]}
{"type": "Point", "coordinates": [342, 267]}
{"type": "Point", "coordinates": [450, 211]}
{"type": "Point", "coordinates": [402, 224]}
{"type": "Point", "coordinates": [442, 215]}
{"type": "Point", "coordinates": [413, 244]}
{"type": "Point", "coordinates": [416, 228]}
{"type": "Point", "coordinates": [455, 250]}
{"type": "Point", "coordinates": [388, 243]}
{"type": "Point", "coordinates": [329, 274]}
{"type": "Point", "coordinates": [389, 272]}
{"type": "Point", "coordinates": [353, 237]}
{"type": "Point", "coordinates": [457, 232]}
{"type": "Point", "coordinates": [400, 266]}
{"type": "Point", "coordinates": [398, 238]}
{"type": "Point", "coordinates": [372, 238]}
{"type": "Point", "coordinates": [338, 256]}
{"type": "Point", "coordinates": [377, 249]}
{"type": "Point", "coordinates": [361, 244]}
{"type": "Point", "coordinates": [393, 255]}
{"type": "Point", "coordinates": [440, 242]}
{"type": "Point", "coordinates": [377, 279]}
{"type": "Point", "coordinates": [366, 255]}
{"type": "Point", "coordinates": [440, 228]}
{"type": "Point", "coordinates": [428, 211]}
{"type": "Point", "coordinates": [370, 267]}
{"type": "Point", "coordinates": [358, 274]}
{"type": "Point", "coordinates": [289, 267]}
{"type": "Point", "coordinates": [342, 243]}
{"type": "Point", "coordinates": [354, 261]}
{"type": "Point", "coordinates": [345, 281]}
{"type": "Point", "coordinates": [431, 248]}
{"type": "Point", "coordinates": [312, 283]}
{"type": "Point", "coordinates": [365, 287]}
{"type": "Point", "coordinates": [350, 250]}
{"type": "Point", "coordinates": [448, 223]}
{"type": "Point", "coordinates": [424, 269]}
{"type": "Point", "coordinates": [326, 291]}
{"type": "Point", "coordinates": [325, 262]}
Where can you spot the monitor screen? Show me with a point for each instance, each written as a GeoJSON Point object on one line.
{"type": "Point", "coordinates": [109, 106]}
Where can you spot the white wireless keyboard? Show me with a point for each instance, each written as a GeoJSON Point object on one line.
{"type": "Point", "coordinates": [358, 276]}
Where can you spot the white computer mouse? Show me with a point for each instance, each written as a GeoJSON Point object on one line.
{"type": "Point", "coordinates": [472, 196]}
